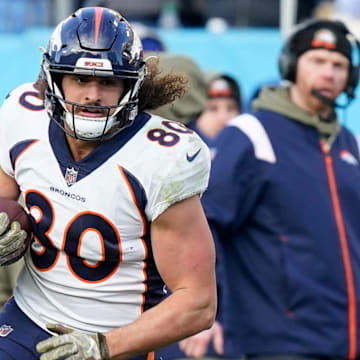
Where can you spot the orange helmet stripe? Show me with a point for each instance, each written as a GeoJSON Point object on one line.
{"type": "Point", "coordinates": [98, 15]}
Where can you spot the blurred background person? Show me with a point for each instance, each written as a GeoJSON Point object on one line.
{"type": "Point", "coordinates": [188, 108]}
{"type": "Point", "coordinates": [224, 102]}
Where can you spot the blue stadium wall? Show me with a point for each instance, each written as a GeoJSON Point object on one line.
{"type": "Point", "coordinates": [250, 55]}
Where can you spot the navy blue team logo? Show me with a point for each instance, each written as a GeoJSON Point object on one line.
{"type": "Point", "coordinates": [5, 330]}
{"type": "Point", "coordinates": [71, 176]}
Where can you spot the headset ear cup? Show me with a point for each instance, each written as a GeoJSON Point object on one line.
{"type": "Point", "coordinates": [352, 81]}
{"type": "Point", "coordinates": [283, 65]}
{"type": "Point", "coordinates": [287, 64]}
{"type": "Point", "coordinates": [287, 58]}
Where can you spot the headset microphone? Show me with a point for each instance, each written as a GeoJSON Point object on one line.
{"type": "Point", "coordinates": [328, 101]}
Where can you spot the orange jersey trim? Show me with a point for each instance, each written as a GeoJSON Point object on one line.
{"type": "Point", "coordinates": [27, 148]}
{"type": "Point", "coordinates": [144, 231]}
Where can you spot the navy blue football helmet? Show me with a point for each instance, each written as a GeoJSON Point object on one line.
{"type": "Point", "coordinates": [93, 41]}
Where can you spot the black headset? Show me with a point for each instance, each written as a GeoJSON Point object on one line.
{"type": "Point", "coordinates": [288, 58]}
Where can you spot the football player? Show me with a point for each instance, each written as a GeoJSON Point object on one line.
{"type": "Point", "coordinates": [113, 193]}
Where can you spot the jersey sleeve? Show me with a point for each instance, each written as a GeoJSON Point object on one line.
{"type": "Point", "coordinates": [18, 116]}
{"type": "Point", "coordinates": [6, 111]}
{"type": "Point", "coordinates": [182, 171]}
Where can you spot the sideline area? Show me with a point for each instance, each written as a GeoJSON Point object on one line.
{"type": "Point", "coordinates": [250, 55]}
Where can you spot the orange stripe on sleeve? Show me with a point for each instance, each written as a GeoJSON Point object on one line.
{"type": "Point", "coordinates": [27, 148]}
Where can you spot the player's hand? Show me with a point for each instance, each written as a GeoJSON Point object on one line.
{"type": "Point", "coordinates": [12, 241]}
{"type": "Point", "coordinates": [197, 345]}
{"type": "Point", "coordinates": [72, 345]}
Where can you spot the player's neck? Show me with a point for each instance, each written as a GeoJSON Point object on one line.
{"type": "Point", "coordinates": [79, 148]}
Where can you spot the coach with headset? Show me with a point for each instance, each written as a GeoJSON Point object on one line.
{"type": "Point", "coordinates": [284, 205]}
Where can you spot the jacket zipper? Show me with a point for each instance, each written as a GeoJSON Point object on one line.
{"type": "Point", "coordinates": [344, 251]}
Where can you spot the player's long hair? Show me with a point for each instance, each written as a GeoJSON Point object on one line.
{"type": "Point", "coordinates": [157, 90]}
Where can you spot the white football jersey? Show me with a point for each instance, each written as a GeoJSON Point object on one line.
{"type": "Point", "coordinates": [91, 265]}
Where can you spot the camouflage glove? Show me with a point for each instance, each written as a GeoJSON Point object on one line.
{"type": "Point", "coordinates": [12, 241]}
{"type": "Point", "coordinates": [72, 345]}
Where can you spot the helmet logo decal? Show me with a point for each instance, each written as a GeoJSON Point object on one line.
{"type": "Point", "coordinates": [98, 15]}
{"type": "Point", "coordinates": [83, 65]}
{"type": "Point", "coordinates": [99, 64]}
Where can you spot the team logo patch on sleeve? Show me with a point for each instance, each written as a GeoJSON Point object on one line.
{"type": "Point", "coordinates": [71, 176]}
{"type": "Point", "coordinates": [5, 330]}
{"type": "Point", "coordinates": [348, 157]}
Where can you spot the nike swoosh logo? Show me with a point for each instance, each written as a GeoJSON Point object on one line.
{"type": "Point", "coordinates": [190, 158]}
